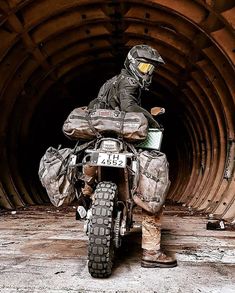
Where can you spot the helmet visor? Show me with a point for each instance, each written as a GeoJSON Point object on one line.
{"type": "Point", "coordinates": [145, 68]}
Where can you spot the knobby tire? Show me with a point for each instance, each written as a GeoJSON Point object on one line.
{"type": "Point", "coordinates": [101, 243]}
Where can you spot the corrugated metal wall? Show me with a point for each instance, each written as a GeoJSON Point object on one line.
{"type": "Point", "coordinates": [44, 43]}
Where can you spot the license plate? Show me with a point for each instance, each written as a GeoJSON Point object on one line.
{"type": "Point", "coordinates": [112, 160]}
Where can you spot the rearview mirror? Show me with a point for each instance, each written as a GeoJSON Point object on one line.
{"type": "Point", "coordinates": [157, 111]}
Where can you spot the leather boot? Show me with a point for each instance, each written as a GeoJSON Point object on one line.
{"type": "Point", "coordinates": [157, 259]}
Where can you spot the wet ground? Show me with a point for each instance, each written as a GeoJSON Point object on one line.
{"type": "Point", "coordinates": [44, 249]}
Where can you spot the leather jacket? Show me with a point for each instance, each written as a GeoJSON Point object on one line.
{"type": "Point", "coordinates": [122, 92]}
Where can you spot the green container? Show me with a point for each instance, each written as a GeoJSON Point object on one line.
{"type": "Point", "coordinates": [153, 140]}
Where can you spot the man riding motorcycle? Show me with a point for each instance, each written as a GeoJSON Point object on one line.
{"type": "Point", "coordinates": [123, 92]}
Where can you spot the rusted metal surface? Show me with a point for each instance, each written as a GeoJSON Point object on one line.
{"type": "Point", "coordinates": [43, 248]}
{"type": "Point", "coordinates": [44, 44]}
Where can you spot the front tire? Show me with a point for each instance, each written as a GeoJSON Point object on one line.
{"type": "Point", "coordinates": [101, 243]}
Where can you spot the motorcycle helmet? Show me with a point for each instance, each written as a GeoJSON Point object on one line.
{"type": "Point", "coordinates": [141, 61]}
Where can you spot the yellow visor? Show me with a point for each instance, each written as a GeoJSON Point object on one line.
{"type": "Point", "coordinates": [145, 67]}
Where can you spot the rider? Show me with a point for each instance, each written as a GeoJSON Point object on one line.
{"type": "Point", "coordinates": [123, 91]}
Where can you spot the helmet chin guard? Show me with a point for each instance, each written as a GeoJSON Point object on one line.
{"type": "Point", "coordinates": [141, 61]}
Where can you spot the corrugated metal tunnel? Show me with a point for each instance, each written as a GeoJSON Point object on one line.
{"type": "Point", "coordinates": [54, 56]}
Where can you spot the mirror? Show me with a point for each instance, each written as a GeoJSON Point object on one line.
{"type": "Point", "coordinates": [157, 111]}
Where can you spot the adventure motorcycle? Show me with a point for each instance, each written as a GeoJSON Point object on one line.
{"type": "Point", "coordinates": [111, 214]}
{"type": "Point", "coordinates": [126, 174]}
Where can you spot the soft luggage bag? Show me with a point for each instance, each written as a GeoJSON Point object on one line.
{"type": "Point", "coordinates": [57, 176]}
{"type": "Point", "coordinates": [153, 181]}
{"type": "Point", "coordinates": [88, 124]}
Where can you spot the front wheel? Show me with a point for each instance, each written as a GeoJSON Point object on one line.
{"type": "Point", "coordinates": [101, 243]}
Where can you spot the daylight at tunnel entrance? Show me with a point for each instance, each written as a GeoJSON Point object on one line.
{"type": "Point", "coordinates": [55, 55]}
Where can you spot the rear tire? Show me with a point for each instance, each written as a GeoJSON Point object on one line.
{"type": "Point", "coordinates": [101, 243]}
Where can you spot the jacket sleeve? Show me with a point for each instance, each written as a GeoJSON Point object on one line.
{"type": "Point", "coordinates": [129, 94]}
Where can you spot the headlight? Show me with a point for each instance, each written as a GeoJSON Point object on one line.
{"type": "Point", "coordinates": [110, 146]}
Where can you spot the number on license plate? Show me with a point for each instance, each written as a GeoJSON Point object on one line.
{"type": "Point", "coordinates": [112, 160]}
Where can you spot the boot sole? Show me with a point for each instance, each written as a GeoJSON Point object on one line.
{"type": "Point", "coordinates": [147, 264]}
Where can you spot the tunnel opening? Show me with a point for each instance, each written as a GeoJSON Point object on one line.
{"type": "Point", "coordinates": [55, 56]}
{"type": "Point", "coordinates": [63, 97]}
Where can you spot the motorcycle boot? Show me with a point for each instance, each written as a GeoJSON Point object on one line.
{"type": "Point", "coordinates": [153, 256]}
{"type": "Point", "coordinates": [157, 259]}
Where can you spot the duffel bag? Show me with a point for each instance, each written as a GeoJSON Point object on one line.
{"type": "Point", "coordinates": [88, 124]}
{"type": "Point", "coordinates": [56, 175]}
{"type": "Point", "coordinates": [153, 181]}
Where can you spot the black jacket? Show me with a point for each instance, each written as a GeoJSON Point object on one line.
{"type": "Point", "coordinates": [122, 92]}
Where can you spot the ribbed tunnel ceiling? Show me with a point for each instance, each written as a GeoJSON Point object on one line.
{"type": "Point", "coordinates": [54, 56]}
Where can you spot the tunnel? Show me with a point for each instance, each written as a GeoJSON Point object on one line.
{"type": "Point", "coordinates": [55, 55]}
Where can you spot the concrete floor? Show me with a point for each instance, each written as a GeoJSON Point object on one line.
{"type": "Point", "coordinates": [43, 249]}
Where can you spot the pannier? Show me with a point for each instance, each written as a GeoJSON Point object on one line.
{"type": "Point", "coordinates": [57, 176]}
{"type": "Point", "coordinates": [88, 124]}
{"type": "Point", "coordinates": [153, 182]}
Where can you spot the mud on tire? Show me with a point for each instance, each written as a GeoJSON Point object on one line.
{"type": "Point", "coordinates": [101, 245]}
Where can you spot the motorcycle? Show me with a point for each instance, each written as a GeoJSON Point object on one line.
{"type": "Point", "coordinates": [110, 216]}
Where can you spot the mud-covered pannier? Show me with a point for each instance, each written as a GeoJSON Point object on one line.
{"type": "Point", "coordinates": [56, 175]}
{"type": "Point", "coordinates": [153, 182]}
{"type": "Point", "coordinates": [88, 124]}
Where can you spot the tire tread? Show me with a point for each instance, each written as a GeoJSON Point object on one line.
{"type": "Point", "coordinates": [99, 250]}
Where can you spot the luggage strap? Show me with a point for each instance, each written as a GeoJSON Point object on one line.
{"type": "Point", "coordinates": [146, 173]}
{"type": "Point", "coordinates": [78, 148]}
{"type": "Point", "coordinates": [65, 162]}
{"type": "Point", "coordinates": [137, 173]}
{"type": "Point", "coordinates": [88, 118]}
{"type": "Point", "coordinates": [122, 118]}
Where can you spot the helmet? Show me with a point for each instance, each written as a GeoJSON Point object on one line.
{"type": "Point", "coordinates": [141, 61]}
